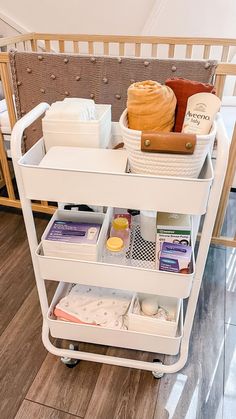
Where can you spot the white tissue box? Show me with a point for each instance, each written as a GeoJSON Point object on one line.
{"type": "Point", "coordinates": [152, 325]}
{"type": "Point", "coordinates": [59, 131]}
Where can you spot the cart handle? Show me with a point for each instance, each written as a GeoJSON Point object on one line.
{"type": "Point", "coordinates": [21, 125]}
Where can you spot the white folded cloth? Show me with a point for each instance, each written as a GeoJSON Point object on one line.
{"type": "Point", "coordinates": [72, 109]}
{"type": "Point", "coordinates": [95, 305]}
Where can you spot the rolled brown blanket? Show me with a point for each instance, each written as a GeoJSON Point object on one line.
{"type": "Point", "coordinates": [151, 106]}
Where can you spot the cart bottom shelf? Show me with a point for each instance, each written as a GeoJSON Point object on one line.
{"type": "Point", "coordinates": [112, 337]}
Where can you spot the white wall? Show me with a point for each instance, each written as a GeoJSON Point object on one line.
{"type": "Point", "coordinates": [201, 18]}
{"type": "Point", "coordinates": [213, 18]}
{"type": "Point", "coordinates": [7, 30]}
{"type": "Point", "coordinates": [79, 16]}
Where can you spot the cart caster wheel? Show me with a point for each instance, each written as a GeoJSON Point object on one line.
{"type": "Point", "coordinates": [70, 362]}
{"type": "Point", "coordinates": [157, 375]}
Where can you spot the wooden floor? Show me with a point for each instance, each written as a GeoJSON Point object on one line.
{"type": "Point", "coordinates": [36, 385]}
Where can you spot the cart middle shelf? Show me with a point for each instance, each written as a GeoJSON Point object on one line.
{"type": "Point", "coordinates": [138, 272]}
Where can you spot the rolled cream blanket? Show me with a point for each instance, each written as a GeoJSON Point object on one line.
{"type": "Point", "coordinates": [151, 106]}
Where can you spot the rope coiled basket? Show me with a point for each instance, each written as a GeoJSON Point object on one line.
{"type": "Point", "coordinates": [163, 164]}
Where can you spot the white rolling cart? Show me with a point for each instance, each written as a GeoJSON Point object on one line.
{"type": "Point", "coordinates": [168, 194]}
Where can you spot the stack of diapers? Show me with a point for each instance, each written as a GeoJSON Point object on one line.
{"type": "Point", "coordinates": [151, 106]}
{"type": "Point", "coordinates": [94, 306]}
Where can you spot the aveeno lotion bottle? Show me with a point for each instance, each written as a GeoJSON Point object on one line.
{"type": "Point", "coordinates": [200, 113]}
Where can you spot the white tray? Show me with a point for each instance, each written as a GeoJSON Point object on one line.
{"type": "Point", "coordinates": [111, 337]}
{"type": "Point", "coordinates": [124, 190]}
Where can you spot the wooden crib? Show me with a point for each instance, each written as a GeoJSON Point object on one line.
{"type": "Point", "coordinates": [120, 46]}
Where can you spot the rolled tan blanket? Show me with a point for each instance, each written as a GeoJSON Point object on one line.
{"type": "Point", "coordinates": [151, 106]}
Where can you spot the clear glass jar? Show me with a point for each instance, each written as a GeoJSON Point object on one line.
{"type": "Point", "coordinates": [120, 228]}
{"type": "Point", "coordinates": [115, 251]}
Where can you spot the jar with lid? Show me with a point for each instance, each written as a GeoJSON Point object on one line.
{"type": "Point", "coordinates": [120, 228]}
{"type": "Point", "coordinates": [115, 251]}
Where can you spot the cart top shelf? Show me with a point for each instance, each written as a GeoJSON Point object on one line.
{"type": "Point", "coordinates": [62, 177]}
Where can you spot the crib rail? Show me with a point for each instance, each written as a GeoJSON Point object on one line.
{"type": "Point", "coordinates": [219, 48]}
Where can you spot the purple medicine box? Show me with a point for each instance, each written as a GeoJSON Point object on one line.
{"type": "Point", "coordinates": [175, 257]}
{"type": "Point", "coordinates": [74, 232]}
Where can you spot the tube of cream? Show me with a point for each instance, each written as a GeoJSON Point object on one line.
{"type": "Point", "coordinates": [200, 113]}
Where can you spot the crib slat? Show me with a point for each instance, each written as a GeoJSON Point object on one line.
{"type": "Point", "coordinates": [45, 203]}
{"type": "Point", "coordinates": [47, 45]}
{"type": "Point", "coordinates": [171, 50]}
{"type": "Point", "coordinates": [154, 50]}
{"type": "Point", "coordinates": [90, 47]}
{"type": "Point", "coordinates": [234, 91]}
{"type": "Point", "coordinates": [137, 49]}
{"type": "Point", "coordinates": [225, 53]}
{"type": "Point", "coordinates": [189, 51]}
{"type": "Point", "coordinates": [106, 48]}
{"type": "Point", "coordinates": [121, 48]}
{"type": "Point", "coordinates": [76, 47]}
{"type": "Point", "coordinates": [33, 44]}
{"type": "Point", "coordinates": [219, 84]}
{"type": "Point", "coordinates": [206, 52]}
{"type": "Point", "coordinates": [61, 45]}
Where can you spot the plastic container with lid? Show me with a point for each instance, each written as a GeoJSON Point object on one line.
{"type": "Point", "coordinates": [120, 228]}
{"type": "Point", "coordinates": [115, 251]}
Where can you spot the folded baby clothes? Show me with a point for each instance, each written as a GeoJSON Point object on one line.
{"type": "Point", "coordinates": [94, 306]}
{"type": "Point", "coordinates": [183, 89]}
{"type": "Point", "coordinates": [150, 106]}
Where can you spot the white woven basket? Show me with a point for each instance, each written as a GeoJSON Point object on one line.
{"type": "Point", "coordinates": [163, 164]}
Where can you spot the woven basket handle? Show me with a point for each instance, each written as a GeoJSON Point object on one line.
{"type": "Point", "coordinates": [168, 142]}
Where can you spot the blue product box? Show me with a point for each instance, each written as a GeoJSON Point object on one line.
{"type": "Point", "coordinates": [175, 258]}
{"type": "Point", "coordinates": [74, 232]}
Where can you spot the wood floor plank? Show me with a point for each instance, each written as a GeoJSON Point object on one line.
{"type": "Point", "coordinates": [16, 271]}
{"type": "Point", "coordinates": [66, 389]}
{"type": "Point", "coordinates": [196, 391]}
{"type": "Point", "coordinates": [124, 393]}
{"type": "Point", "coordinates": [21, 355]}
{"type": "Point", "coordinates": [30, 410]}
{"type": "Point", "coordinates": [229, 404]}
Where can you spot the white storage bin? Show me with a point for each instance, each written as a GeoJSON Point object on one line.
{"type": "Point", "coordinates": [80, 251]}
{"type": "Point", "coordinates": [149, 324]}
{"type": "Point", "coordinates": [164, 164]}
{"type": "Point", "coordinates": [94, 133]}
